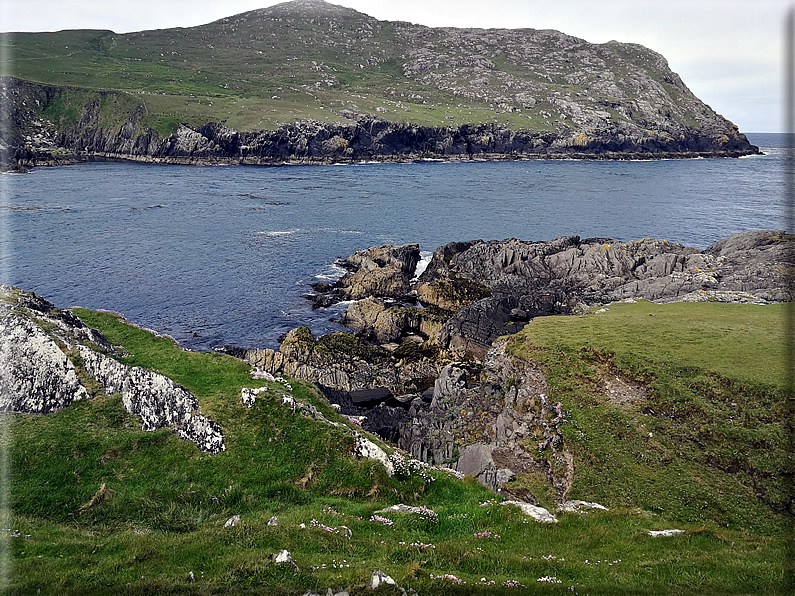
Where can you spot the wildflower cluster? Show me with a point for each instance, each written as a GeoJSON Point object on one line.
{"type": "Point", "coordinates": [316, 524]}
{"type": "Point", "coordinates": [552, 558]}
{"type": "Point", "coordinates": [458, 516]}
{"type": "Point", "coordinates": [549, 579]}
{"type": "Point", "coordinates": [355, 419]}
{"type": "Point", "coordinates": [384, 520]}
{"type": "Point", "coordinates": [425, 513]}
{"type": "Point", "coordinates": [448, 577]}
{"type": "Point", "coordinates": [406, 467]}
{"type": "Point", "coordinates": [487, 534]}
{"type": "Point", "coordinates": [512, 583]}
{"type": "Point", "coordinates": [15, 533]}
{"type": "Point", "coordinates": [488, 503]}
{"type": "Point", "coordinates": [487, 582]}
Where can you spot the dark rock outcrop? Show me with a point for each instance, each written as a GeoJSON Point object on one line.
{"type": "Point", "coordinates": [48, 354]}
{"type": "Point", "coordinates": [341, 362]}
{"type": "Point", "coordinates": [568, 275]}
{"type": "Point", "coordinates": [488, 414]}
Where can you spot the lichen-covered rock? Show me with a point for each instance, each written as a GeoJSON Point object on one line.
{"type": "Point", "coordinates": [36, 376]}
{"type": "Point", "coordinates": [381, 271]}
{"type": "Point", "coordinates": [156, 399]}
{"type": "Point", "coordinates": [567, 275]}
{"type": "Point", "coordinates": [42, 347]}
{"type": "Point", "coordinates": [342, 362]}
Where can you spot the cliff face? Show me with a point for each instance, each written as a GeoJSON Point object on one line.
{"type": "Point", "coordinates": [326, 83]}
{"type": "Point", "coordinates": [50, 359]}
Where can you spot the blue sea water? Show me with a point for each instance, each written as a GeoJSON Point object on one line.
{"type": "Point", "coordinates": [222, 255]}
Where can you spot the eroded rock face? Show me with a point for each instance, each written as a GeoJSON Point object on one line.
{"type": "Point", "coordinates": [340, 361]}
{"type": "Point", "coordinates": [492, 426]}
{"type": "Point", "coordinates": [45, 350]}
{"type": "Point", "coordinates": [380, 271]}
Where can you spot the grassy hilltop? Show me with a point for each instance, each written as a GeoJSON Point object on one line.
{"type": "Point", "coordinates": [99, 506]}
{"type": "Point", "coordinates": [309, 59]}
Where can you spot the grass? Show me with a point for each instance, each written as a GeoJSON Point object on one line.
{"type": "Point", "coordinates": [161, 515]}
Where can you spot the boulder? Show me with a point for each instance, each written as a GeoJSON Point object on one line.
{"type": "Point", "coordinates": [380, 271]}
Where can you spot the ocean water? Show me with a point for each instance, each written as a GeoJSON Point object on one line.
{"type": "Point", "coordinates": [222, 255]}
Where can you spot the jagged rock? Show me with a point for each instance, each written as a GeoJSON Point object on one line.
{"type": "Point", "coordinates": [365, 448]}
{"type": "Point", "coordinates": [567, 275]}
{"type": "Point", "coordinates": [284, 556]}
{"type": "Point", "coordinates": [380, 271]}
{"type": "Point", "coordinates": [232, 521]}
{"type": "Point", "coordinates": [379, 577]}
{"type": "Point", "coordinates": [273, 521]}
{"type": "Point", "coordinates": [36, 376]}
{"type": "Point", "coordinates": [41, 346]}
{"type": "Point", "coordinates": [341, 362]}
{"type": "Point", "coordinates": [248, 396]}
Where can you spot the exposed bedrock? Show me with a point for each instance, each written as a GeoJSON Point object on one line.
{"type": "Point", "coordinates": [568, 275]}
{"type": "Point", "coordinates": [487, 413]}
{"type": "Point", "coordinates": [47, 355]}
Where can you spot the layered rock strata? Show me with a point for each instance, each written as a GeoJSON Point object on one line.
{"type": "Point", "coordinates": [487, 413]}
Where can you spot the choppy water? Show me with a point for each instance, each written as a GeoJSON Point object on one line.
{"type": "Point", "coordinates": [221, 255]}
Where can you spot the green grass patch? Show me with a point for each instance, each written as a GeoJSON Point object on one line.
{"type": "Point", "coordinates": [160, 516]}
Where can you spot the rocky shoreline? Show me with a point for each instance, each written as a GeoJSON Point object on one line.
{"type": "Point", "coordinates": [423, 366]}
{"type": "Point", "coordinates": [31, 139]}
{"type": "Point", "coordinates": [422, 358]}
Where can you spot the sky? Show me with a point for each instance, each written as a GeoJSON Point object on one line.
{"type": "Point", "coordinates": [729, 52]}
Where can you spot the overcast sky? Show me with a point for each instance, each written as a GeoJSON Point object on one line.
{"type": "Point", "coordinates": [729, 52]}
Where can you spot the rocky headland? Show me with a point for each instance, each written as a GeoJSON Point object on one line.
{"type": "Point", "coordinates": [310, 82]}
{"type": "Point", "coordinates": [422, 366]}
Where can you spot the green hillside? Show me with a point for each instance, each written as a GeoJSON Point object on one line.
{"type": "Point", "coordinates": [311, 59]}
{"type": "Point", "coordinates": [99, 506]}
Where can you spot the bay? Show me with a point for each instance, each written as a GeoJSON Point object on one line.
{"type": "Point", "coordinates": [222, 255]}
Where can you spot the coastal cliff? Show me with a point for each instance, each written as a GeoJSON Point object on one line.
{"type": "Point", "coordinates": [311, 82]}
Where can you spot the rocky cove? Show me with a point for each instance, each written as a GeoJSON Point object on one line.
{"type": "Point", "coordinates": [422, 367]}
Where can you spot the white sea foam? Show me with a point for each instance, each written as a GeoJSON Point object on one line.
{"type": "Point", "coordinates": [422, 265]}
{"type": "Point", "coordinates": [331, 273]}
{"type": "Point", "coordinates": [277, 233]}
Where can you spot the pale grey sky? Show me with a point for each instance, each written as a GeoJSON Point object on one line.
{"type": "Point", "coordinates": [729, 52]}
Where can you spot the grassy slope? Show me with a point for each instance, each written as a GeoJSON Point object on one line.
{"type": "Point", "coordinates": [249, 91]}
{"type": "Point", "coordinates": [257, 74]}
{"type": "Point", "coordinates": [164, 515]}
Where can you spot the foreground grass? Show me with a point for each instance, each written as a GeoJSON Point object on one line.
{"type": "Point", "coordinates": [161, 517]}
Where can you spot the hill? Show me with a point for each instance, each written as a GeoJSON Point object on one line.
{"type": "Point", "coordinates": [100, 504]}
{"type": "Point", "coordinates": [441, 91]}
